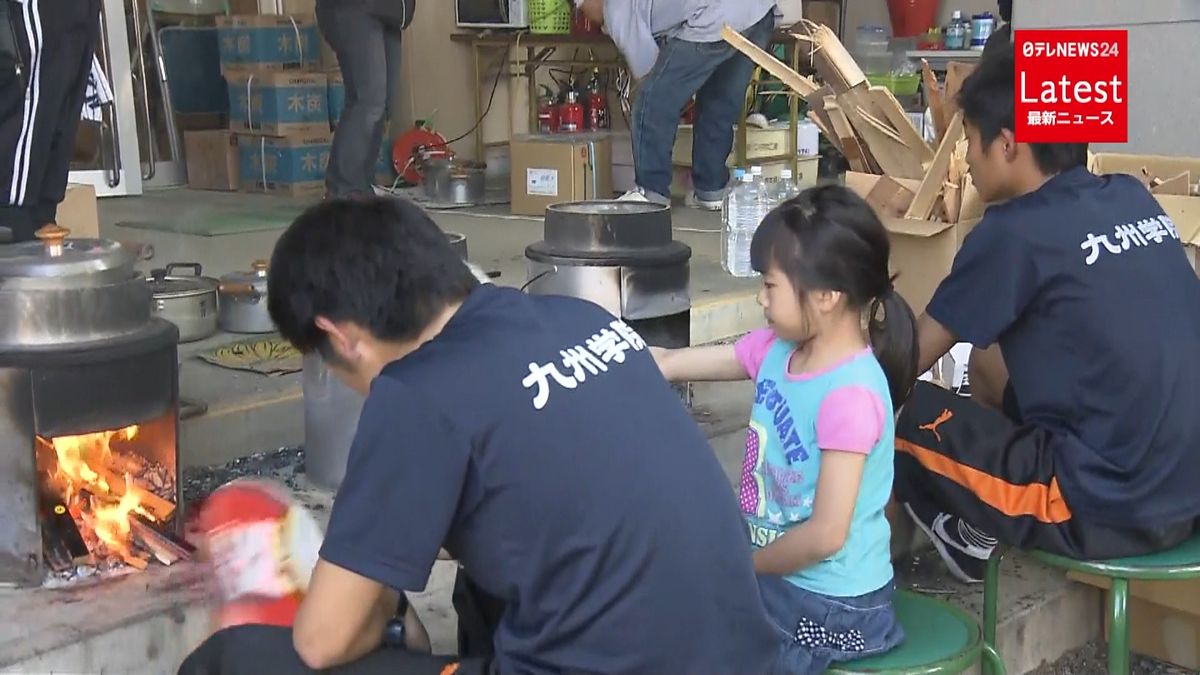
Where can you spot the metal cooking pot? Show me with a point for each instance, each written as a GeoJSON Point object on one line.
{"type": "Point", "coordinates": [189, 302]}
{"type": "Point", "coordinates": [58, 291]}
{"type": "Point", "coordinates": [243, 301]}
{"type": "Point", "coordinates": [454, 181]}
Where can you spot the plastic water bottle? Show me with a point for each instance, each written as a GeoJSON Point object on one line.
{"type": "Point", "coordinates": [744, 215]}
{"type": "Point", "coordinates": [733, 185]}
{"type": "Point", "coordinates": [785, 188]}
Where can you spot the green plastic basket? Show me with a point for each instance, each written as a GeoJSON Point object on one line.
{"type": "Point", "coordinates": [550, 16]}
{"type": "Point", "coordinates": [901, 85]}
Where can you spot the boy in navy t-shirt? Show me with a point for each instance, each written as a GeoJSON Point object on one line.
{"type": "Point", "coordinates": [1087, 442]}
{"type": "Point", "coordinates": [531, 436]}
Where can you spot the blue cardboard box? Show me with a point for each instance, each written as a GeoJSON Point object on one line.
{"type": "Point", "coordinates": [278, 103]}
{"type": "Point", "coordinates": [290, 165]}
{"type": "Point", "coordinates": [268, 42]}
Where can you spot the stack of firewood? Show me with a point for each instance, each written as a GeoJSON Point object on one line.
{"type": "Point", "coordinates": [870, 128]}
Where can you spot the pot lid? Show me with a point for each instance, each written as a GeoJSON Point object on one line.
{"type": "Point", "coordinates": [256, 276]}
{"type": "Point", "coordinates": [55, 256]}
{"type": "Point", "coordinates": [163, 286]}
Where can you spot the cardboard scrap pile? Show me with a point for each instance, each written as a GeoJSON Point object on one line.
{"type": "Point", "coordinates": [923, 194]}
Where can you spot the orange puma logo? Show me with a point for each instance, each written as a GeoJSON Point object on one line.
{"type": "Point", "coordinates": [941, 419]}
{"type": "Point", "coordinates": [450, 669]}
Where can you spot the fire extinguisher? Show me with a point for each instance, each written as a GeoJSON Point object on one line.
{"type": "Point", "coordinates": [597, 103]}
{"type": "Point", "coordinates": [548, 112]}
{"type": "Point", "coordinates": [572, 113]}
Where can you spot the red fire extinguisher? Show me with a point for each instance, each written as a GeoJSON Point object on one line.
{"type": "Point", "coordinates": [572, 114]}
{"type": "Point", "coordinates": [597, 103]}
{"type": "Point", "coordinates": [548, 112]}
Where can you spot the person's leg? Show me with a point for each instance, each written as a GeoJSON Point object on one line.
{"type": "Point", "coordinates": [969, 476]}
{"type": "Point", "coordinates": [682, 68]}
{"type": "Point", "coordinates": [38, 118]}
{"type": "Point", "coordinates": [79, 45]}
{"type": "Point", "coordinates": [358, 41]}
{"type": "Point", "coordinates": [392, 40]}
{"type": "Point", "coordinates": [718, 105]}
{"type": "Point", "coordinates": [256, 649]}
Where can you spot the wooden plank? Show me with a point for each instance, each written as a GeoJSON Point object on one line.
{"type": "Point", "coordinates": [833, 63]}
{"type": "Point", "coordinates": [955, 74]}
{"type": "Point", "coordinates": [855, 154]}
{"type": "Point", "coordinates": [931, 185]}
{"type": "Point", "coordinates": [795, 81]}
{"type": "Point", "coordinates": [972, 205]}
{"type": "Point", "coordinates": [933, 95]}
{"type": "Point", "coordinates": [893, 155]}
{"type": "Point", "coordinates": [827, 131]}
{"type": "Point", "coordinates": [892, 196]}
{"type": "Point", "coordinates": [894, 113]}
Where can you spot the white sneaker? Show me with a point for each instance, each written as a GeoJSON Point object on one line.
{"type": "Point", "coordinates": [641, 195]}
{"type": "Point", "coordinates": [634, 195]}
{"type": "Point", "coordinates": [693, 201]}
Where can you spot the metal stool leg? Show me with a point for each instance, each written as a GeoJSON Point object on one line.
{"type": "Point", "coordinates": [1118, 632]}
{"type": "Point", "coordinates": [991, 590]}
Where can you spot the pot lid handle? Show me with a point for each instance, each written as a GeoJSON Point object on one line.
{"type": "Point", "coordinates": [260, 267]}
{"type": "Point", "coordinates": [52, 236]}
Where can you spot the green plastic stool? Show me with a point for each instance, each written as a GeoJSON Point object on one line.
{"type": "Point", "coordinates": [938, 638]}
{"type": "Point", "coordinates": [1177, 564]}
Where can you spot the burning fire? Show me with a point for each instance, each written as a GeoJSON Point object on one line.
{"type": "Point", "coordinates": [96, 486]}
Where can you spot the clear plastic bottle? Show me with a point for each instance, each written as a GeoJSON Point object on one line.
{"type": "Point", "coordinates": [728, 214]}
{"type": "Point", "coordinates": [785, 188]}
{"type": "Point", "coordinates": [745, 213]}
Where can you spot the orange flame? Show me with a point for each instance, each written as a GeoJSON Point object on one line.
{"type": "Point", "coordinates": [84, 461]}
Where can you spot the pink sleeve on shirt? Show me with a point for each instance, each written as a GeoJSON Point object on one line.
{"type": "Point", "coordinates": [752, 348]}
{"type": "Point", "coordinates": [851, 419]}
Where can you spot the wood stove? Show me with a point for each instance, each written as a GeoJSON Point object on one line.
{"type": "Point", "coordinates": [622, 256]}
{"type": "Point", "coordinates": [89, 400]}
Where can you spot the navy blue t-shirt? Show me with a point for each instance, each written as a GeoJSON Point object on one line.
{"type": "Point", "coordinates": [1085, 285]}
{"type": "Point", "coordinates": [535, 438]}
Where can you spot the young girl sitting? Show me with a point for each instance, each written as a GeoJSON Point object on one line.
{"type": "Point", "coordinates": [838, 357]}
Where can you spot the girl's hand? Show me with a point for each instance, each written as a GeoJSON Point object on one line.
{"type": "Point", "coordinates": [716, 363]}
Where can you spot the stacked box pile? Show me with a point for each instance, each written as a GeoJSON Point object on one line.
{"type": "Point", "coordinates": [278, 102]}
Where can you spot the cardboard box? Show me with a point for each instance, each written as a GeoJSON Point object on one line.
{"type": "Point", "coordinates": [290, 165]}
{"type": "Point", "coordinates": [761, 144]}
{"type": "Point", "coordinates": [77, 212]}
{"type": "Point", "coordinates": [278, 103]}
{"type": "Point", "coordinates": [922, 250]}
{"type": "Point", "coordinates": [254, 42]}
{"type": "Point", "coordinates": [552, 169]}
{"type": "Point", "coordinates": [1183, 209]}
{"type": "Point", "coordinates": [212, 159]}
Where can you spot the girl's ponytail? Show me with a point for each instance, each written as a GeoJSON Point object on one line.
{"type": "Point", "coordinates": [892, 330]}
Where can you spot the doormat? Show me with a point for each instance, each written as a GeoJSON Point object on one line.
{"type": "Point", "coordinates": [215, 224]}
{"type": "Point", "coordinates": [268, 355]}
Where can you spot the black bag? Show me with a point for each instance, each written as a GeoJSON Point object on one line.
{"type": "Point", "coordinates": [396, 14]}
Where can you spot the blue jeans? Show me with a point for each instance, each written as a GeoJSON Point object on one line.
{"type": "Point", "coordinates": [717, 74]}
{"type": "Point", "coordinates": [816, 630]}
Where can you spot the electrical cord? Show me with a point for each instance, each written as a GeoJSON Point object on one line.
{"type": "Point", "coordinates": [491, 99]}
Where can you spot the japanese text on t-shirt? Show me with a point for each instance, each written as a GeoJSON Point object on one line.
{"type": "Point", "coordinates": [578, 361]}
{"type": "Point", "coordinates": [1130, 235]}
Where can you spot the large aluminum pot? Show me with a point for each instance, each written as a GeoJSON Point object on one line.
{"type": "Point", "coordinates": [59, 291]}
{"type": "Point", "coordinates": [187, 300]}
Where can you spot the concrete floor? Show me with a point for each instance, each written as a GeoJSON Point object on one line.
{"type": "Point", "coordinates": [156, 617]}
{"type": "Point", "coordinates": [248, 412]}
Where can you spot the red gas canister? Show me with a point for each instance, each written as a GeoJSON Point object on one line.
{"type": "Point", "coordinates": [597, 103]}
{"type": "Point", "coordinates": [572, 114]}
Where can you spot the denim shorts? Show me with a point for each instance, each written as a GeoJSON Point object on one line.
{"type": "Point", "coordinates": [816, 630]}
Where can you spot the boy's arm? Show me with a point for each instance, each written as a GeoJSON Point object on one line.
{"type": "Point", "coordinates": [933, 341]}
{"type": "Point", "coordinates": [717, 363]}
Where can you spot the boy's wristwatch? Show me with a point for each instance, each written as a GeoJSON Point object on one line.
{"type": "Point", "coordinates": [394, 632]}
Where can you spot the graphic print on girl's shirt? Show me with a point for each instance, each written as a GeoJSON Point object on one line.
{"type": "Point", "coordinates": [794, 416]}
